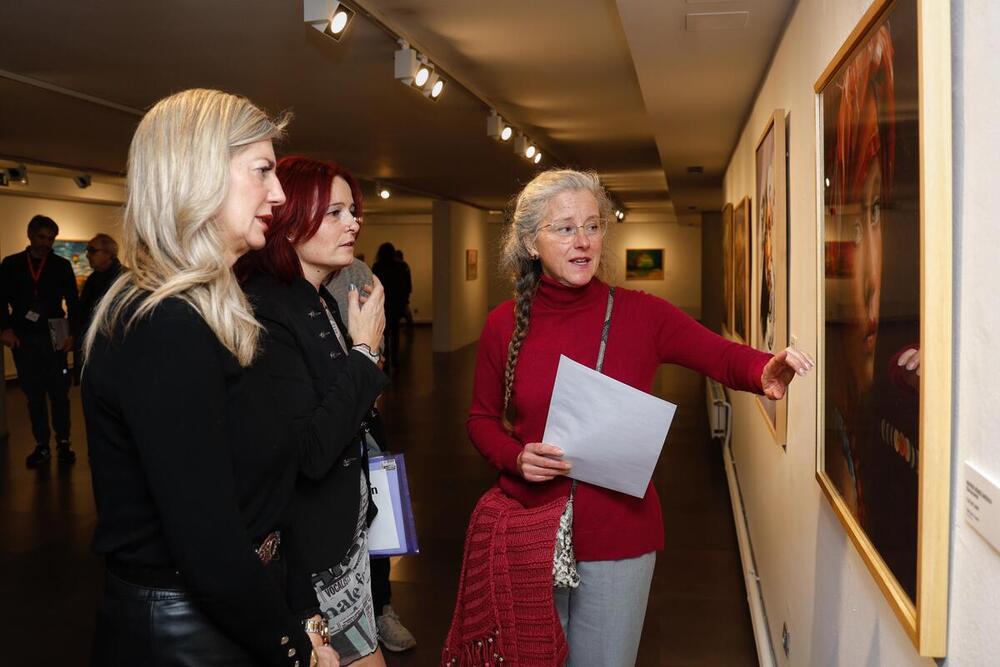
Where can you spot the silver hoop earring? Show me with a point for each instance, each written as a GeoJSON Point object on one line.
{"type": "Point", "coordinates": [289, 238]}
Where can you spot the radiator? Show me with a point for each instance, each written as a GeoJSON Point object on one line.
{"type": "Point", "coordinates": [718, 410]}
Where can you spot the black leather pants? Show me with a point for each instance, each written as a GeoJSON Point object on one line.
{"type": "Point", "coordinates": [158, 627]}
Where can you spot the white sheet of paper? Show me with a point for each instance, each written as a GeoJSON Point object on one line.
{"type": "Point", "coordinates": [382, 533]}
{"type": "Point", "coordinates": [612, 433]}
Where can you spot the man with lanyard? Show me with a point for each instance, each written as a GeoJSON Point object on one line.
{"type": "Point", "coordinates": [33, 285]}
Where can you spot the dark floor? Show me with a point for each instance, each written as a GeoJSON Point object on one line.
{"type": "Point", "coordinates": [697, 609]}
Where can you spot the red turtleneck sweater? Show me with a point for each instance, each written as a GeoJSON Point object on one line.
{"type": "Point", "coordinates": [646, 331]}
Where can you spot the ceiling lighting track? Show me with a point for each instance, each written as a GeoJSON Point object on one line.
{"type": "Point", "coordinates": [407, 66]}
{"type": "Point", "coordinates": [51, 87]}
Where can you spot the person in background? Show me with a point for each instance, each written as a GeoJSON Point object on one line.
{"type": "Point", "coordinates": [324, 378]}
{"type": "Point", "coordinates": [392, 634]}
{"type": "Point", "coordinates": [394, 281]}
{"type": "Point", "coordinates": [102, 254]}
{"type": "Point", "coordinates": [554, 251]}
{"type": "Point", "coordinates": [192, 465]}
{"type": "Point", "coordinates": [407, 288]}
{"type": "Point", "coordinates": [34, 284]}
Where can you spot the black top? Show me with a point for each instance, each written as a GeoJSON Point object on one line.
{"type": "Point", "coordinates": [19, 292]}
{"type": "Point", "coordinates": [395, 281]}
{"type": "Point", "coordinates": [327, 394]}
{"type": "Point", "coordinates": [96, 286]}
{"type": "Point", "coordinates": [190, 468]}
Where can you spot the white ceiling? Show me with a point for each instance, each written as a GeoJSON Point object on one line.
{"type": "Point", "coordinates": [620, 87]}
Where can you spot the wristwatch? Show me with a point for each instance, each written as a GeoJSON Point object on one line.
{"type": "Point", "coordinates": [364, 349]}
{"type": "Point", "coordinates": [318, 626]}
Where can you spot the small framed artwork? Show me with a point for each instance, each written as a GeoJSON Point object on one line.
{"type": "Point", "coordinates": [727, 265]}
{"type": "Point", "coordinates": [644, 264]}
{"type": "Point", "coordinates": [769, 302]}
{"type": "Point", "coordinates": [76, 253]}
{"type": "Point", "coordinates": [884, 250]}
{"type": "Point", "coordinates": [471, 264]}
{"type": "Point", "coordinates": [741, 271]}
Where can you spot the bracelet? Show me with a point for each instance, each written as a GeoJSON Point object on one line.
{"type": "Point", "coordinates": [366, 350]}
{"type": "Point", "coordinates": [318, 627]}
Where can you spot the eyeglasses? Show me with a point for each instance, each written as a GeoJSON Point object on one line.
{"type": "Point", "coordinates": [566, 231]}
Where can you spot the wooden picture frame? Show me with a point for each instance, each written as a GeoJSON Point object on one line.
{"type": "Point", "coordinates": [900, 195]}
{"type": "Point", "coordinates": [742, 242]}
{"type": "Point", "coordinates": [727, 266]}
{"type": "Point", "coordinates": [769, 253]}
{"type": "Point", "coordinates": [472, 264]}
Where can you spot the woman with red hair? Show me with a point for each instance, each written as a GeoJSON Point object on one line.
{"type": "Point", "coordinates": [863, 166]}
{"type": "Point", "coordinates": [325, 378]}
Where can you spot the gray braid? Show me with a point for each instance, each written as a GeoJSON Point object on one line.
{"type": "Point", "coordinates": [524, 290]}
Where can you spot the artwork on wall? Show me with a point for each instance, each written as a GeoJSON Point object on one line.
{"type": "Point", "coordinates": [644, 264]}
{"type": "Point", "coordinates": [471, 264]}
{"type": "Point", "coordinates": [769, 302]}
{"type": "Point", "coordinates": [76, 253]}
{"type": "Point", "coordinates": [741, 270]}
{"type": "Point", "coordinates": [883, 440]}
{"type": "Point", "coordinates": [727, 265]}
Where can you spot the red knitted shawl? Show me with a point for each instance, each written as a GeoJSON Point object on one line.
{"type": "Point", "coordinates": [505, 613]}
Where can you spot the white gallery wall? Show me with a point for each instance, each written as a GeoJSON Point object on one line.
{"type": "Point", "coordinates": [460, 303]}
{"type": "Point", "coordinates": [813, 579]}
{"type": "Point", "coordinates": [412, 235]}
{"type": "Point", "coordinates": [974, 637]}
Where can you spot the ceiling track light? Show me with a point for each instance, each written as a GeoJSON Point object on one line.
{"type": "Point", "coordinates": [82, 181]}
{"type": "Point", "coordinates": [382, 191]}
{"type": "Point", "coordinates": [330, 17]}
{"type": "Point", "coordinates": [405, 63]}
{"type": "Point", "coordinates": [538, 157]}
{"type": "Point", "coordinates": [423, 74]}
{"type": "Point", "coordinates": [524, 147]}
{"type": "Point", "coordinates": [497, 128]}
{"type": "Point", "coordinates": [18, 174]}
{"type": "Point", "coordinates": [434, 87]}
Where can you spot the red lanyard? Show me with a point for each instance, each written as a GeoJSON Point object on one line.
{"type": "Point", "coordinates": [36, 276]}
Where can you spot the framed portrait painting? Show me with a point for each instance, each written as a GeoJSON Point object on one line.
{"type": "Point", "coordinates": [884, 251]}
{"type": "Point", "coordinates": [741, 271]}
{"type": "Point", "coordinates": [644, 264]}
{"type": "Point", "coordinates": [727, 265]}
{"type": "Point", "coordinates": [769, 296]}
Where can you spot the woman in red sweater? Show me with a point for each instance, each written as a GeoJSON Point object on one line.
{"type": "Point", "coordinates": [554, 251]}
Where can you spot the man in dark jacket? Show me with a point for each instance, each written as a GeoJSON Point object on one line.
{"type": "Point", "coordinates": [102, 253]}
{"type": "Point", "coordinates": [33, 286]}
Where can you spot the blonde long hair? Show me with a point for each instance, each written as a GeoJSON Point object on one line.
{"type": "Point", "coordinates": [530, 208]}
{"type": "Point", "coordinates": [178, 178]}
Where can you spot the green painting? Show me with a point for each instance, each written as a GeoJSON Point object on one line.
{"type": "Point", "coordinates": [644, 264]}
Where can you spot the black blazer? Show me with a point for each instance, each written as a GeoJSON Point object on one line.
{"type": "Point", "coordinates": [190, 466]}
{"type": "Point", "coordinates": [326, 394]}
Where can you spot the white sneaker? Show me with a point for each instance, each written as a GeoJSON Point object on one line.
{"type": "Point", "coordinates": [392, 633]}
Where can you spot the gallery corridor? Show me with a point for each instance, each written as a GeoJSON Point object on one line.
{"type": "Point", "coordinates": [697, 609]}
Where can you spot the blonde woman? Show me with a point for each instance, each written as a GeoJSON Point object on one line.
{"type": "Point", "coordinates": [190, 470]}
{"type": "Point", "coordinates": [555, 251]}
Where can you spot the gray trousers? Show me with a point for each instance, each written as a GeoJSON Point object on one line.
{"type": "Point", "coordinates": [602, 619]}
